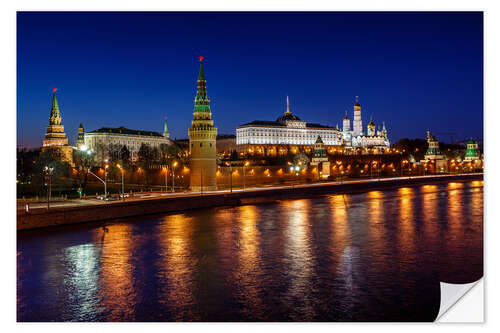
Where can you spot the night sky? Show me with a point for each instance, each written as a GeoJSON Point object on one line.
{"type": "Point", "coordinates": [413, 70]}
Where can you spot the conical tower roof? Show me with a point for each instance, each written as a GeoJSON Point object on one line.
{"type": "Point", "coordinates": [55, 113]}
{"type": "Point", "coordinates": [346, 116]}
{"type": "Point", "coordinates": [201, 101]}
{"type": "Point", "coordinates": [318, 140]}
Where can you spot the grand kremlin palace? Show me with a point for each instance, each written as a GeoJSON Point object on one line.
{"type": "Point", "coordinates": [290, 133]}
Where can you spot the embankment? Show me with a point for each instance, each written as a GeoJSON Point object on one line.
{"type": "Point", "coordinates": [114, 210]}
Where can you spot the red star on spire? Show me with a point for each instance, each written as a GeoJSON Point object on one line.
{"type": "Point", "coordinates": [201, 58]}
{"type": "Point", "coordinates": [54, 89]}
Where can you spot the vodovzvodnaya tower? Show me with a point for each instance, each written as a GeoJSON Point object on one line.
{"type": "Point", "coordinates": [202, 138]}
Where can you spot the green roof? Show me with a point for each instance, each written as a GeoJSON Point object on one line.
{"type": "Point", "coordinates": [123, 130]}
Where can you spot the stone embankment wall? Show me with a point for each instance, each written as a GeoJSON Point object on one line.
{"type": "Point", "coordinates": [114, 210]}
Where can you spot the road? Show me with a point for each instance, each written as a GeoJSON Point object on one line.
{"type": "Point", "coordinates": [156, 195]}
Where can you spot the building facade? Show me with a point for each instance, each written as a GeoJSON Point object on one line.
{"type": "Point", "coordinates": [357, 138]}
{"type": "Point", "coordinates": [288, 132]}
{"type": "Point", "coordinates": [202, 140]}
{"type": "Point", "coordinates": [132, 139]}
{"type": "Point", "coordinates": [472, 152]}
{"type": "Point", "coordinates": [320, 159]}
{"type": "Point", "coordinates": [434, 154]}
{"type": "Point", "coordinates": [55, 139]}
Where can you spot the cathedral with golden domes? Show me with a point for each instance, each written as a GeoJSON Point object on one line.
{"type": "Point", "coordinates": [357, 137]}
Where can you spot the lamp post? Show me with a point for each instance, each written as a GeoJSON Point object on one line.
{"type": "Point", "coordinates": [166, 177]}
{"type": "Point", "coordinates": [48, 177]}
{"type": "Point", "coordinates": [230, 176]}
{"type": "Point", "coordinates": [244, 165]}
{"type": "Point", "coordinates": [123, 188]}
{"type": "Point", "coordinates": [173, 176]}
{"type": "Point", "coordinates": [105, 178]}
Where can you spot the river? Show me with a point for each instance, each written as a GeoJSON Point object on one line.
{"type": "Point", "coordinates": [375, 256]}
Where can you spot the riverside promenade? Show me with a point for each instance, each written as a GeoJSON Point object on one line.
{"type": "Point", "coordinates": [91, 210]}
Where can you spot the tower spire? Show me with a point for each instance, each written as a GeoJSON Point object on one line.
{"type": "Point", "coordinates": [166, 134]}
{"type": "Point", "coordinates": [201, 101]}
{"type": "Point", "coordinates": [201, 76]}
{"type": "Point", "coordinates": [287, 105]}
{"type": "Point", "coordinates": [55, 114]}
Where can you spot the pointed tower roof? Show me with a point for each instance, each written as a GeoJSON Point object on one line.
{"type": "Point", "coordinates": [201, 76]}
{"type": "Point", "coordinates": [287, 106]}
{"type": "Point", "coordinates": [371, 124]}
{"type": "Point", "coordinates": [165, 128]}
{"type": "Point", "coordinates": [55, 113]}
{"type": "Point", "coordinates": [357, 101]}
{"type": "Point", "coordinates": [346, 117]}
{"type": "Point", "coordinates": [318, 140]}
{"type": "Point", "coordinates": [201, 101]}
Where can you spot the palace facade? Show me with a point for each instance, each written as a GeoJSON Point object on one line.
{"type": "Point", "coordinates": [132, 139]}
{"type": "Point", "coordinates": [289, 133]}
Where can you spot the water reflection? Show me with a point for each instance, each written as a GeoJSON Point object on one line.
{"type": "Point", "coordinates": [176, 266]}
{"type": "Point", "coordinates": [406, 224]}
{"type": "Point", "coordinates": [298, 257]}
{"type": "Point", "coordinates": [378, 256]}
{"type": "Point", "coordinates": [249, 274]}
{"type": "Point", "coordinates": [115, 247]}
{"type": "Point", "coordinates": [81, 280]}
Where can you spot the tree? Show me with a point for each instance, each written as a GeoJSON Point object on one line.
{"type": "Point", "coordinates": [146, 158]}
{"type": "Point", "coordinates": [84, 160]}
{"type": "Point", "coordinates": [301, 159]}
{"type": "Point", "coordinates": [125, 157]}
{"type": "Point", "coordinates": [50, 158]}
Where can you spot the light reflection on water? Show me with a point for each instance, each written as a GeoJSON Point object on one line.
{"type": "Point", "coordinates": [372, 256]}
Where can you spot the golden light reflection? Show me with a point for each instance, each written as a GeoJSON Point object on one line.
{"type": "Point", "coordinates": [175, 239]}
{"type": "Point", "coordinates": [249, 275]}
{"type": "Point", "coordinates": [375, 218]}
{"type": "Point", "coordinates": [340, 222]}
{"type": "Point", "coordinates": [455, 211]}
{"type": "Point", "coordinates": [298, 252]}
{"type": "Point", "coordinates": [116, 269]}
{"type": "Point", "coordinates": [406, 221]}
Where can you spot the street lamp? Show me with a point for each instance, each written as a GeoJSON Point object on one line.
{"type": "Point", "coordinates": [173, 176]}
{"type": "Point", "coordinates": [166, 177]}
{"type": "Point", "coordinates": [123, 189]}
{"type": "Point", "coordinates": [48, 177]}
{"type": "Point", "coordinates": [230, 176]}
{"type": "Point", "coordinates": [244, 165]}
{"type": "Point", "coordinates": [105, 178]}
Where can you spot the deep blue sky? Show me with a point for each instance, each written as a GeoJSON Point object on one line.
{"type": "Point", "coordinates": [413, 70]}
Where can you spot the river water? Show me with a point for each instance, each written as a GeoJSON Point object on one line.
{"type": "Point", "coordinates": [375, 256]}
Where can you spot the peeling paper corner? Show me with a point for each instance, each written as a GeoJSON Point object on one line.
{"type": "Point", "coordinates": [459, 304]}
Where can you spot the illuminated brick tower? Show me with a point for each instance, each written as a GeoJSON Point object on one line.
{"type": "Point", "coordinates": [357, 124]}
{"type": "Point", "coordinates": [202, 137]}
{"type": "Point", "coordinates": [55, 138]}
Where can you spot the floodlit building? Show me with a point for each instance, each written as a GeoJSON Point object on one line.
{"type": "Point", "coordinates": [320, 159]}
{"type": "Point", "coordinates": [356, 137]}
{"type": "Point", "coordinates": [132, 139]}
{"type": "Point", "coordinates": [434, 154]}
{"type": "Point", "coordinates": [472, 152]}
{"type": "Point", "coordinates": [202, 140]}
{"type": "Point", "coordinates": [287, 132]}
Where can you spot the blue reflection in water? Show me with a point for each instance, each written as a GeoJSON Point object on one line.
{"type": "Point", "coordinates": [373, 256]}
